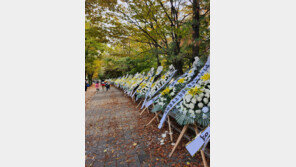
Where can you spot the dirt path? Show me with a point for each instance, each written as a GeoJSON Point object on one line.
{"type": "Point", "coordinates": [116, 136]}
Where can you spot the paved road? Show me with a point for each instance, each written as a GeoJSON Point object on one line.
{"type": "Point", "coordinates": [115, 135]}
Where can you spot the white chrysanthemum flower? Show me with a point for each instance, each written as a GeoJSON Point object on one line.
{"type": "Point", "coordinates": [207, 95]}
{"type": "Point", "coordinates": [191, 111]}
{"type": "Point", "coordinates": [187, 99]}
{"type": "Point", "coordinates": [209, 104]}
{"type": "Point", "coordinates": [199, 99]}
{"type": "Point", "coordinates": [204, 116]}
{"type": "Point", "coordinates": [207, 90]}
{"type": "Point", "coordinates": [205, 100]}
{"type": "Point", "coordinates": [189, 96]}
{"type": "Point", "coordinates": [205, 109]}
{"type": "Point", "coordinates": [172, 94]}
{"type": "Point", "coordinates": [200, 105]}
{"type": "Point", "coordinates": [197, 111]}
{"type": "Point", "coordinates": [201, 95]}
{"type": "Point", "coordinates": [193, 100]}
{"type": "Point", "coordinates": [196, 60]}
{"type": "Point", "coordinates": [191, 105]}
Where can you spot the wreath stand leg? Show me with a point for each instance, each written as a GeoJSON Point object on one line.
{"type": "Point", "coordinates": [179, 139]}
{"type": "Point", "coordinates": [156, 115]}
{"type": "Point", "coordinates": [143, 110]}
{"type": "Point", "coordinates": [203, 158]}
{"type": "Point", "coordinates": [157, 119]}
{"type": "Point", "coordinates": [139, 104]}
{"type": "Point", "coordinates": [196, 129]}
{"type": "Point", "coordinates": [170, 128]}
{"type": "Point", "coordinates": [201, 151]}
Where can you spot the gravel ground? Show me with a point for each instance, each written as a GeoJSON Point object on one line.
{"type": "Point", "coordinates": [115, 135]}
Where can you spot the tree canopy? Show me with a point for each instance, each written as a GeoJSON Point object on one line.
{"type": "Point", "coordinates": [129, 36]}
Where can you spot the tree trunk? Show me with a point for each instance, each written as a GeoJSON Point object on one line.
{"type": "Point", "coordinates": [157, 56]}
{"type": "Point", "coordinates": [195, 28]}
{"type": "Point", "coordinates": [178, 63]}
{"type": "Point", "coordinates": [179, 66]}
{"type": "Point", "coordinates": [90, 79]}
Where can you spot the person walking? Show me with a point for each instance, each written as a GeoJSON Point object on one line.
{"type": "Point", "coordinates": [103, 85]}
{"type": "Point", "coordinates": [86, 85]}
{"type": "Point", "coordinates": [107, 86]}
{"type": "Point", "coordinates": [97, 86]}
{"type": "Point", "coordinates": [100, 85]}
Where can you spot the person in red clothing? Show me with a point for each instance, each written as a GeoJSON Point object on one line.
{"type": "Point", "coordinates": [103, 85]}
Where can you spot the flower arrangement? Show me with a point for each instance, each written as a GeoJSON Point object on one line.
{"type": "Point", "coordinates": [137, 81]}
{"type": "Point", "coordinates": [195, 105]}
{"type": "Point", "coordinates": [148, 84]}
{"type": "Point", "coordinates": [144, 84]}
{"type": "Point", "coordinates": [171, 91]}
{"type": "Point", "coordinates": [156, 86]}
{"type": "Point", "coordinates": [126, 82]}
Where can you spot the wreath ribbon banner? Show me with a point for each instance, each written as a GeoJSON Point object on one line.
{"type": "Point", "coordinates": [172, 75]}
{"type": "Point", "coordinates": [172, 84]}
{"type": "Point", "coordinates": [143, 81]}
{"type": "Point", "coordinates": [199, 141]}
{"type": "Point", "coordinates": [147, 92]}
{"type": "Point", "coordinates": [182, 93]}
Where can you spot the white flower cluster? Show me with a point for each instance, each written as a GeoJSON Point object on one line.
{"type": "Point", "coordinates": [147, 85]}
{"type": "Point", "coordinates": [196, 102]}
{"type": "Point", "coordinates": [165, 98]}
{"type": "Point", "coordinates": [159, 83]}
{"type": "Point", "coordinates": [136, 81]}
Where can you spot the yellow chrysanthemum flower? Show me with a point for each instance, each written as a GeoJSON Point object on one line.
{"type": "Point", "coordinates": [166, 91]}
{"type": "Point", "coordinates": [194, 91]}
{"type": "Point", "coordinates": [163, 77]}
{"type": "Point", "coordinates": [181, 80]}
{"type": "Point", "coordinates": [206, 77]}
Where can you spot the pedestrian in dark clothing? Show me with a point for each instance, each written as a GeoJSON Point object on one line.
{"type": "Point", "coordinates": [107, 86]}
{"type": "Point", "coordinates": [86, 85]}
{"type": "Point", "coordinates": [97, 86]}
